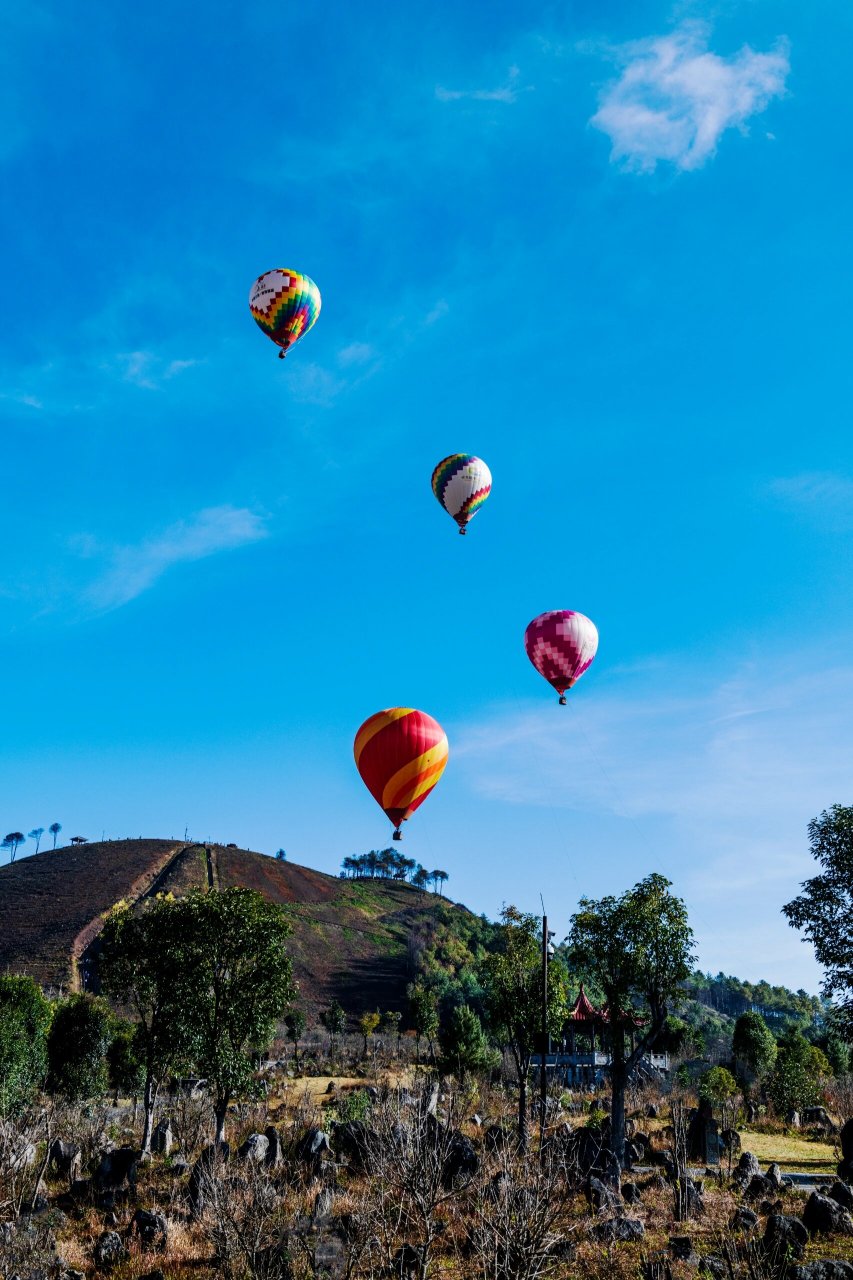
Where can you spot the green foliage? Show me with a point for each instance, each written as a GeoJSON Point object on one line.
{"type": "Point", "coordinates": [391, 1020]}
{"type": "Point", "coordinates": [717, 1085]}
{"type": "Point", "coordinates": [449, 950]}
{"type": "Point", "coordinates": [824, 910]}
{"type": "Point", "coordinates": [334, 1019]}
{"type": "Point", "coordinates": [367, 1024]}
{"type": "Point", "coordinates": [242, 979]}
{"type": "Point", "coordinates": [730, 997]}
{"type": "Point", "coordinates": [77, 1045]}
{"type": "Point", "coordinates": [798, 1077]}
{"type": "Point", "coordinates": [753, 1043]}
{"type": "Point", "coordinates": [25, 1017]}
{"type": "Point", "coordinates": [464, 1047]}
{"type": "Point", "coordinates": [124, 1061]}
{"type": "Point", "coordinates": [353, 1106]}
{"type": "Point", "coordinates": [295, 1023]}
{"type": "Point", "coordinates": [513, 981]}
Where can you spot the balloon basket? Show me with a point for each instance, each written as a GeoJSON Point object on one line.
{"type": "Point", "coordinates": [462, 530]}
{"type": "Point", "coordinates": [281, 355]}
{"type": "Point", "coordinates": [562, 699]}
{"type": "Point", "coordinates": [398, 835]}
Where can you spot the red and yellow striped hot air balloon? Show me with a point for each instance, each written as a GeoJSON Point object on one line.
{"type": "Point", "coordinates": [400, 754]}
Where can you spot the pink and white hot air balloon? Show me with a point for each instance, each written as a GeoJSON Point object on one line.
{"type": "Point", "coordinates": [561, 645]}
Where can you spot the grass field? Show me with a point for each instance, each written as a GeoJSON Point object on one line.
{"type": "Point", "coordinates": [792, 1154]}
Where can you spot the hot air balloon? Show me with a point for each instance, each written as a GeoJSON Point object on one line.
{"type": "Point", "coordinates": [285, 305]}
{"type": "Point", "coordinates": [400, 754]}
{"type": "Point", "coordinates": [561, 645]}
{"type": "Point", "coordinates": [462, 483]}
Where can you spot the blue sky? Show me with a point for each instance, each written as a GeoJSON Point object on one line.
{"type": "Point", "coordinates": [607, 249]}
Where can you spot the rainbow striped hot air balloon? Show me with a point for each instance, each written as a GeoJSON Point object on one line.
{"type": "Point", "coordinates": [561, 644]}
{"type": "Point", "coordinates": [400, 754]}
{"type": "Point", "coordinates": [285, 305]}
{"type": "Point", "coordinates": [462, 483]}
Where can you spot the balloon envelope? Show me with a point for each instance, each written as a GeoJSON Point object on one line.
{"type": "Point", "coordinates": [462, 483]}
{"type": "Point", "coordinates": [400, 754]}
{"type": "Point", "coordinates": [561, 645]}
{"type": "Point", "coordinates": [285, 305]}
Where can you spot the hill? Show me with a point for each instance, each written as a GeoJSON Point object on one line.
{"type": "Point", "coordinates": [353, 940]}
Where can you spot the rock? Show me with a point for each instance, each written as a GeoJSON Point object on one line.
{"type": "Point", "coordinates": [619, 1230]}
{"type": "Point", "coordinates": [841, 1194]}
{"type": "Point", "coordinates": [355, 1140]}
{"type": "Point", "coordinates": [323, 1204]}
{"type": "Point", "coordinates": [331, 1087]}
{"type": "Point", "coordinates": [714, 1267]}
{"type": "Point", "coordinates": [497, 1136]}
{"type": "Point", "coordinates": [681, 1250]}
{"type": "Point", "coordinates": [275, 1147]}
{"type": "Point", "coordinates": [823, 1216]}
{"type": "Point", "coordinates": [730, 1139]}
{"type": "Point", "coordinates": [635, 1153]}
{"type": "Point", "coordinates": [792, 1119]}
{"type": "Point", "coordinates": [768, 1207]}
{"type": "Point", "coordinates": [822, 1270]}
{"type": "Point", "coordinates": [784, 1238]}
{"type": "Point", "coordinates": [117, 1169]}
{"type": "Point", "coordinates": [651, 1112]}
{"type": "Point", "coordinates": [314, 1145]}
{"type": "Point", "coordinates": [631, 1193]}
{"type": "Point", "coordinates": [751, 1113]}
{"type": "Point", "coordinates": [758, 1186]}
{"type": "Point", "coordinates": [156, 1274]}
{"type": "Point", "coordinates": [406, 1262]}
{"type": "Point", "coordinates": [65, 1158]}
{"type": "Point", "coordinates": [691, 1196]}
{"type": "Point", "coordinates": [254, 1149]}
{"type": "Point", "coordinates": [774, 1176]}
{"type": "Point", "coordinates": [179, 1167]}
{"type": "Point", "coordinates": [747, 1168]}
{"type": "Point", "coordinates": [477, 1120]}
{"type": "Point", "coordinates": [818, 1115]}
{"type": "Point", "coordinates": [202, 1170]}
{"type": "Point", "coordinates": [151, 1228]}
{"type": "Point", "coordinates": [162, 1138]}
{"type": "Point", "coordinates": [109, 1250]}
{"type": "Point", "coordinates": [461, 1161]}
{"type": "Point", "coordinates": [601, 1198]}
{"type": "Point", "coordinates": [743, 1219]}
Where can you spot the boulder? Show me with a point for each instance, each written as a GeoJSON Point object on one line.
{"type": "Point", "coordinates": [323, 1204]}
{"type": "Point", "coordinates": [254, 1149]}
{"type": "Point", "coordinates": [631, 1193]}
{"type": "Point", "coordinates": [743, 1219]}
{"type": "Point", "coordinates": [822, 1270]}
{"type": "Point", "coordinates": [751, 1113]}
{"type": "Point", "coordinates": [841, 1194]}
{"type": "Point", "coordinates": [759, 1185]}
{"type": "Point", "coordinates": [730, 1140]}
{"type": "Point", "coordinates": [117, 1169]}
{"type": "Point", "coordinates": [651, 1111]}
{"type": "Point", "coordinates": [824, 1216]}
{"type": "Point", "coordinates": [619, 1230]}
{"type": "Point", "coordinates": [681, 1250]}
{"type": "Point", "coordinates": [818, 1115]}
{"type": "Point", "coordinates": [774, 1177]}
{"type": "Point", "coordinates": [109, 1250]}
{"type": "Point", "coordinates": [151, 1228]}
{"type": "Point", "coordinates": [202, 1170]}
{"type": "Point", "coordinates": [497, 1136]}
{"type": "Point", "coordinates": [784, 1238]}
{"type": "Point", "coordinates": [461, 1162]}
{"type": "Point", "coordinates": [714, 1267]}
{"type": "Point", "coordinates": [406, 1262]}
{"type": "Point", "coordinates": [162, 1138]}
{"type": "Point", "coordinates": [601, 1197]}
{"type": "Point", "coordinates": [792, 1119]}
{"type": "Point", "coordinates": [275, 1147]}
{"type": "Point", "coordinates": [747, 1168]}
{"type": "Point", "coordinates": [65, 1158]}
{"type": "Point", "coordinates": [311, 1148]}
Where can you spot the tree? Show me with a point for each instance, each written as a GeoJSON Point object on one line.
{"type": "Point", "coordinates": [439, 878]}
{"type": "Point", "coordinates": [799, 1074]}
{"type": "Point", "coordinates": [391, 1020]}
{"type": "Point", "coordinates": [513, 982]}
{"type": "Point", "coordinates": [334, 1020]}
{"type": "Point", "coordinates": [464, 1047]}
{"type": "Point", "coordinates": [54, 829]}
{"type": "Point", "coordinates": [753, 1043]}
{"type": "Point", "coordinates": [281, 856]}
{"type": "Point", "coordinates": [824, 910]}
{"type": "Point", "coordinates": [12, 842]}
{"type": "Point", "coordinates": [717, 1086]}
{"type": "Point", "coordinates": [236, 942]}
{"type": "Point", "coordinates": [637, 950]}
{"type": "Point", "coordinates": [367, 1024]}
{"type": "Point", "coordinates": [423, 1016]}
{"type": "Point", "coordinates": [295, 1023]}
{"type": "Point", "coordinates": [145, 964]}
{"type": "Point", "coordinates": [77, 1045]}
{"type": "Point", "coordinates": [420, 877]}
{"type": "Point", "coordinates": [124, 1062]}
{"type": "Point", "coordinates": [36, 834]}
{"type": "Point", "coordinates": [25, 1017]}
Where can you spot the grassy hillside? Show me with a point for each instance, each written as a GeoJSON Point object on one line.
{"type": "Point", "coordinates": [353, 940]}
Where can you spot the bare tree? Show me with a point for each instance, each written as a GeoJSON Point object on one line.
{"type": "Point", "coordinates": [54, 829]}
{"type": "Point", "coordinates": [516, 1232]}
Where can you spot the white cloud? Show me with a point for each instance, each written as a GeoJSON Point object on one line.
{"type": "Point", "coordinates": [675, 98]}
{"type": "Point", "coordinates": [133, 569]}
{"type": "Point", "coordinates": [822, 496]}
{"type": "Point", "coordinates": [147, 370]}
{"type": "Point", "coordinates": [356, 353]}
{"type": "Point", "coordinates": [712, 782]}
{"type": "Point", "coordinates": [506, 93]}
{"type": "Point", "coordinates": [438, 312]}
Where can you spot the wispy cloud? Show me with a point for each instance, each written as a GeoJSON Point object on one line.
{"type": "Point", "coordinates": [675, 98]}
{"type": "Point", "coordinates": [714, 781]}
{"type": "Point", "coordinates": [147, 370]}
{"type": "Point", "coordinates": [506, 93]}
{"type": "Point", "coordinates": [131, 570]}
{"type": "Point", "coordinates": [357, 353]}
{"type": "Point", "coordinates": [822, 496]}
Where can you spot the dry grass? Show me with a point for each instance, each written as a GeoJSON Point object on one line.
{"type": "Point", "coordinates": [790, 1152]}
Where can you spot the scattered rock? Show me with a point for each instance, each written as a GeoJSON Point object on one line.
{"type": "Point", "coordinates": [822, 1270]}
{"type": "Point", "coordinates": [841, 1194]}
{"type": "Point", "coordinates": [774, 1176]}
{"type": "Point", "coordinates": [744, 1219]}
{"type": "Point", "coordinates": [323, 1204]}
{"type": "Point", "coordinates": [784, 1237]}
{"type": "Point", "coordinates": [651, 1111]}
{"type": "Point", "coordinates": [116, 1170]}
{"type": "Point", "coordinates": [601, 1198]}
{"type": "Point", "coordinates": [730, 1139]}
{"type": "Point", "coordinates": [255, 1148]}
{"type": "Point", "coordinates": [461, 1162]}
{"type": "Point", "coordinates": [65, 1158]}
{"type": "Point", "coordinates": [792, 1119]}
{"type": "Point", "coordinates": [817, 1115]}
{"type": "Point", "coordinates": [824, 1216]}
{"type": "Point", "coordinates": [759, 1185]}
{"type": "Point", "coordinates": [619, 1230]}
{"type": "Point", "coordinates": [109, 1250]}
{"type": "Point", "coordinates": [406, 1262]}
{"type": "Point", "coordinates": [162, 1138]}
{"type": "Point", "coordinates": [747, 1168]}
{"type": "Point", "coordinates": [681, 1250]}
{"type": "Point", "coordinates": [714, 1267]}
{"type": "Point", "coordinates": [631, 1193]}
{"type": "Point", "coordinates": [151, 1228]}
{"type": "Point", "coordinates": [275, 1147]}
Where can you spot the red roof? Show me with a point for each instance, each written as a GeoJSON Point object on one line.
{"type": "Point", "coordinates": [584, 1011]}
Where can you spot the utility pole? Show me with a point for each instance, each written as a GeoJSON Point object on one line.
{"type": "Point", "coordinates": [547, 952]}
